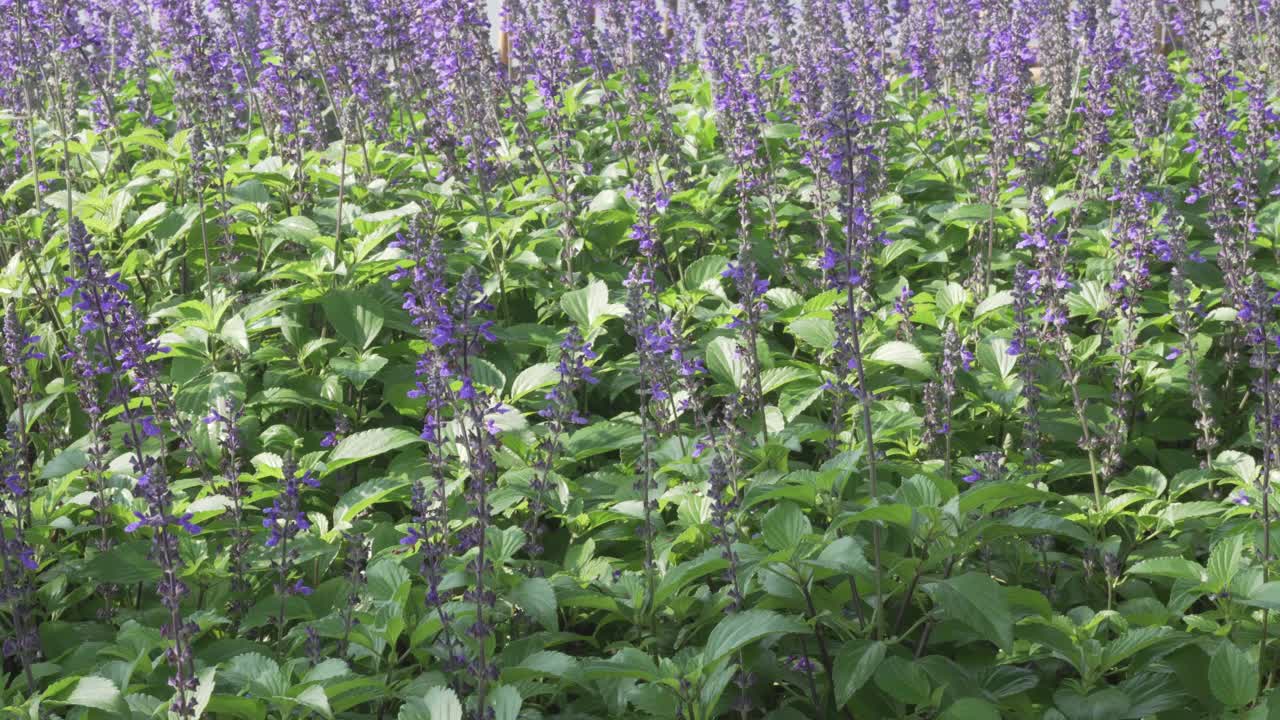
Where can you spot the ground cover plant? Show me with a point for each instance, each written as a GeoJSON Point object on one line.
{"type": "Point", "coordinates": [731, 358]}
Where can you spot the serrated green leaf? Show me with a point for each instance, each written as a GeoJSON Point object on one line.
{"type": "Point", "coordinates": [536, 597]}
{"type": "Point", "coordinates": [855, 664]}
{"type": "Point", "coordinates": [1233, 675]}
{"type": "Point", "coordinates": [784, 525]}
{"type": "Point", "coordinates": [977, 601]}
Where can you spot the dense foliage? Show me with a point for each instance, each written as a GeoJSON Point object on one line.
{"type": "Point", "coordinates": [841, 359]}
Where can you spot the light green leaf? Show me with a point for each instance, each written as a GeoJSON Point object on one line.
{"type": "Point", "coordinates": [725, 361]}
{"type": "Point", "coordinates": [773, 378]}
{"type": "Point", "coordinates": [818, 333]}
{"type": "Point", "coordinates": [1171, 567]}
{"type": "Point", "coordinates": [369, 222]}
{"type": "Point", "coordinates": [1266, 595]}
{"type": "Point", "coordinates": [994, 302]}
{"type": "Point", "coordinates": [534, 377]}
{"type": "Point", "coordinates": [96, 692]}
{"type": "Point", "coordinates": [326, 670]}
{"type": "Point", "coordinates": [741, 629]}
{"type": "Point", "coordinates": [258, 674]}
{"type": "Point", "coordinates": [506, 703]}
{"type": "Point", "coordinates": [704, 273]}
{"type": "Point", "coordinates": [233, 332]}
{"type": "Point", "coordinates": [591, 305]}
{"type": "Point", "coordinates": [297, 229]}
{"type": "Point", "coordinates": [902, 354]}
{"type": "Point", "coordinates": [314, 697]}
{"type": "Point", "coordinates": [204, 691]}
{"type": "Point", "coordinates": [370, 443]}
{"type": "Point", "coordinates": [357, 499]}
{"type": "Point", "coordinates": [953, 297]}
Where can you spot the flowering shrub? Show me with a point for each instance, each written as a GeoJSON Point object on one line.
{"type": "Point", "coordinates": [855, 359]}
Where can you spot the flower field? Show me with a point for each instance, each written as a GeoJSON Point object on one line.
{"type": "Point", "coordinates": [383, 359]}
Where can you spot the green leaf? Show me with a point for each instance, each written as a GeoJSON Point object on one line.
{"type": "Point", "coordinates": [725, 361]}
{"type": "Point", "coordinates": [534, 377]}
{"type": "Point", "coordinates": [1224, 560]}
{"type": "Point", "coordinates": [590, 305]}
{"type": "Point", "coordinates": [124, 564]}
{"type": "Point", "coordinates": [258, 674]}
{"type": "Point", "coordinates": [1134, 641]}
{"type": "Point", "coordinates": [370, 443]}
{"type": "Point", "coordinates": [978, 602]}
{"type": "Point", "coordinates": [902, 354]}
{"type": "Point", "coordinates": [314, 697]}
{"type": "Point", "coordinates": [360, 370]}
{"type": "Point", "coordinates": [1105, 704]}
{"type": "Point", "coordinates": [1171, 567]}
{"type": "Point", "coordinates": [704, 273]}
{"type": "Point", "coordinates": [782, 130]}
{"type": "Point", "coordinates": [369, 222]}
{"type": "Point", "coordinates": [602, 437]}
{"type": "Point", "coordinates": [970, 708]}
{"type": "Point", "coordinates": [994, 302]}
{"type": "Point", "coordinates": [358, 498]}
{"type": "Point", "coordinates": [65, 462]}
{"type": "Point", "coordinates": [442, 704]}
{"type": "Point", "coordinates": [210, 390]}
{"type": "Point", "coordinates": [607, 199]}
{"type": "Point", "coordinates": [297, 229]}
{"type": "Point", "coordinates": [952, 297]}
{"type": "Point", "coordinates": [903, 680]}
{"type": "Point", "coordinates": [1266, 595]}
{"type": "Point", "coordinates": [204, 691]}
{"type": "Point", "coordinates": [536, 597]}
{"type": "Point", "coordinates": [855, 664]}
{"type": "Point", "coordinates": [843, 555]}
{"type": "Point", "coordinates": [326, 670]}
{"type": "Point", "coordinates": [356, 317]}
{"type": "Point", "coordinates": [965, 215]}
{"type": "Point", "coordinates": [784, 526]}
{"type": "Point", "coordinates": [233, 332]}
{"type": "Point", "coordinates": [506, 703]}
{"type": "Point", "coordinates": [773, 378]}
{"type": "Point", "coordinates": [816, 332]}
{"type": "Point", "coordinates": [96, 692]}
{"type": "Point", "coordinates": [1233, 675]}
{"type": "Point", "coordinates": [994, 357]}
{"type": "Point", "coordinates": [544, 663]}
{"type": "Point", "coordinates": [740, 629]}
{"type": "Point", "coordinates": [439, 703]}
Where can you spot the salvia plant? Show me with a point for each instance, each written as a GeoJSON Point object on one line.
{"type": "Point", "coordinates": [449, 360]}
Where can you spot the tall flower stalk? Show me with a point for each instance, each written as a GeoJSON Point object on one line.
{"type": "Point", "coordinates": [17, 349]}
